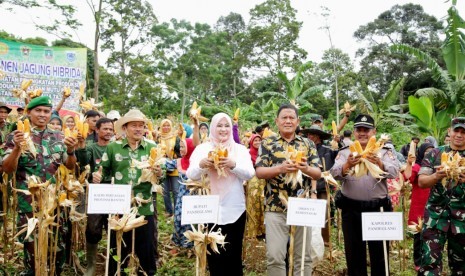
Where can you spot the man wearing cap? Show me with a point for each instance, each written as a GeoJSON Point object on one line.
{"type": "Point", "coordinates": [327, 156]}
{"type": "Point", "coordinates": [272, 165]}
{"type": "Point", "coordinates": [5, 127]}
{"type": "Point", "coordinates": [116, 163]}
{"type": "Point", "coordinates": [52, 149]}
{"type": "Point", "coordinates": [444, 219]}
{"type": "Point", "coordinates": [362, 194]}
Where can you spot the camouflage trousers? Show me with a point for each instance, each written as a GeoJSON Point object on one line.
{"type": "Point", "coordinates": [432, 246]}
{"type": "Point", "coordinates": [28, 250]}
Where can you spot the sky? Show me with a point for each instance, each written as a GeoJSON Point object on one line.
{"type": "Point", "coordinates": [345, 18]}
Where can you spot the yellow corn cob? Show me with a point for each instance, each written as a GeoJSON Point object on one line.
{"type": "Point", "coordinates": [371, 144]}
{"type": "Point", "coordinates": [67, 91]}
{"type": "Point", "coordinates": [184, 134]}
{"type": "Point", "coordinates": [358, 147]}
{"type": "Point", "coordinates": [298, 156]}
{"type": "Point", "coordinates": [85, 130]}
{"type": "Point", "coordinates": [194, 105]}
{"type": "Point", "coordinates": [352, 148]}
{"type": "Point", "coordinates": [444, 158]}
{"type": "Point", "coordinates": [25, 84]}
{"type": "Point", "coordinates": [236, 114]}
{"type": "Point", "coordinates": [150, 126]}
{"type": "Point", "coordinates": [334, 126]}
{"type": "Point", "coordinates": [225, 153]}
{"type": "Point", "coordinates": [20, 126]}
{"type": "Point", "coordinates": [153, 153]}
{"type": "Point", "coordinates": [67, 132]}
{"type": "Point", "coordinates": [62, 197]}
{"type": "Point", "coordinates": [27, 126]}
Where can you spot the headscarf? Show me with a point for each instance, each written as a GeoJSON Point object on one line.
{"type": "Point", "coordinates": [204, 124]}
{"type": "Point", "coordinates": [229, 143]}
{"type": "Point", "coordinates": [55, 116]}
{"type": "Point", "coordinates": [221, 185]}
{"type": "Point", "coordinates": [253, 151]}
{"type": "Point", "coordinates": [65, 118]}
{"type": "Point", "coordinates": [421, 152]}
{"type": "Point", "coordinates": [432, 141]}
{"type": "Point", "coordinates": [166, 135]}
{"type": "Point", "coordinates": [189, 149]}
{"type": "Point", "coordinates": [188, 130]}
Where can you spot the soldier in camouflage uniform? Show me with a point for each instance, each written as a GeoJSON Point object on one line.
{"type": "Point", "coordinates": [444, 218]}
{"type": "Point", "coordinates": [52, 150]}
{"type": "Point", "coordinates": [272, 165]}
{"type": "Point", "coordinates": [116, 162]}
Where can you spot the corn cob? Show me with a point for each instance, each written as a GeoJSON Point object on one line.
{"type": "Point", "coordinates": [27, 126]}
{"type": "Point", "coordinates": [150, 126]}
{"type": "Point", "coordinates": [334, 127]}
{"type": "Point", "coordinates": [67, 91]}
{"type": "Point", "coordinates": [25, 84]}
{"type": "Point", "coordinates": [85, 130]}
{"type": "Point", "coordinates": [236, 115]}
{"type": "Point", "coordinates": [358, 147]}
{"type": "Point", "coordinates": [67, 132]}
{"type": "Point", "coordinates": [298, 156]}
{"type": "Point", "coordinates": [444, 158]}
{"type": "Point", "coordinates": [20, 126]}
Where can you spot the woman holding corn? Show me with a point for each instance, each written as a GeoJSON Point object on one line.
{"type": "Point", "coordinates": [228, 165]}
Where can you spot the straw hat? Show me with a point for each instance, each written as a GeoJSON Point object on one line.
{"type": "Point", "coordinates": [133, 115]}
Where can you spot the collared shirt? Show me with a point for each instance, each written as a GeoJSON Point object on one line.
{"type": "Point", "coordinates": [91, 138]}
{"type": "Point", "coordinates": [272, 153]}
{"type": "Point", "coordinates": [446, 203]}
{"type": "Point", "coordinates": [365, 188]}
{"type": "Point", "coordinates": [230, 189]}
{"type": "Point", "coordinates": [92, 156]}
{"type": "Point", "coordinates": [51, 152]}
{"type": "Point", "coordinates": [117, 163]}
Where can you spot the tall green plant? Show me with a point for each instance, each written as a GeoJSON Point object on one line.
{"type": "Point", "coordinates": [427, 119]}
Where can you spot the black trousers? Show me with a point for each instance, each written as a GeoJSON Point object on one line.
{"type": "Point", "coordinates": [229, 261]}
{"type": "Point", "coordinates": [355, 247]}
{"type": "Point", "coordinates": [143, 247]}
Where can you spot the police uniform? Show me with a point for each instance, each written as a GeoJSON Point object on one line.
{"type": "Point", "coordinates": [358, 195]}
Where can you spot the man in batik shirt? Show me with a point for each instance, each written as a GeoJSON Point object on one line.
{"type": "Point", "coordinates": [52, 150]}
{"type": "Point", "coordinates": [272, 165]}
{"type": "Point", "coordinates": [444, 218]}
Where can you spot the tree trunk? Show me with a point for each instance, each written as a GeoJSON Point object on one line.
{"type": "Point", "coordinates": [96, 42]}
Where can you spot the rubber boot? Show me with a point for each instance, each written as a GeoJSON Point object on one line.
{"type": "Point", "coordinates": [91, 256]}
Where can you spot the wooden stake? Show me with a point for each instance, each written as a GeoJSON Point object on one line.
{"type": "Point", "coordinates": [304, 240]}
{"type": "Point", "coordinates": [107, 261]}
{"type": "Point", "coordinates": [386, 265]}
{"type": "Point", "coordinates": [291, 251]}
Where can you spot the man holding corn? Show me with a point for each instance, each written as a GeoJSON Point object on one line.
{"type": "Point", "coordinates": [117, 163]}
{"type": "Point", "coordinates": [444, 219]}
{"type": "Point", "coordinates": [52, 149]}
{"type": "Point", "coordinates": [272, 165]}
{"type": "Point", "coordinates": [363, 190]}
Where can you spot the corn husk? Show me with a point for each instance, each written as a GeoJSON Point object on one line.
{"type": "Point", "coordinates": [216, 154]}
{"type": "Point", "coordinates": [90, 105]}
{"type": "Point", "coordinates": [201, 187]}
{"type": "Point", "coordinates": [196, 113]}
{"type": "Point", "coordinates": [148, 174]}
{"type": "Point", "coordinates": [413, 149]}
{"type": "Point", "coordinates": [453, 165]}
{"type": "Point", "coordinates": [28, 144]}
{"type": "Point", "coordinates": [328, 177]}
{"type": "Point", "coordinates": [268, 133]}
{"type": "Point", "coordinates": [202, 238]}
{"type": "Point", "coordinates": [293, 178]}
{"type": "Point", "coordinates": [347, 107]}
{"type": "Point", "coordinates": [22, 92]}
{"type": "Point", "coordinates": [365, 166]}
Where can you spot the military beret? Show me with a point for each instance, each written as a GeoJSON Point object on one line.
{"type": "Point", "coordinates": [39, 101]}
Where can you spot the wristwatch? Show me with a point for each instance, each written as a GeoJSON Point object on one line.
{"type": "Point", "coordinates": [313, 192]}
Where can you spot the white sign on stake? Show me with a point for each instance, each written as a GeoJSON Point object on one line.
{"type": "Point", "coordinates": [381, 226]}
{"type": "Point", "coordinates": [306, 212]}
{"type": "Point", "coordinates": [108, 199]}
{"type": "Point", "coordinates": [200, 209]}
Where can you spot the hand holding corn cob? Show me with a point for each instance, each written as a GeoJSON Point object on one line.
{"type": "Point", "coordinates": [453, 166]}
{"type": "Point", "coordinates": [293, 174]}
{"type": "Point", "coordinates": [220, 159]}
{"type": "Point", "coordinates": [195, 113]}
{"type": "Point", "coordinates": [151, 169]}
{"type": "Point", "coordinates": [368, 162]}
{"type": "Point", "coordinates": [23, 137]}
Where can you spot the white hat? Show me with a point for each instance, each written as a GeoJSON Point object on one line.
{"type": "Point", "coordinates": [133, 115]}
{"type": "Point", "coordinates": [113, 115]}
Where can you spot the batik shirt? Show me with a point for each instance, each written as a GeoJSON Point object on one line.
{"type": "Point", "coordinates": [272, 153]}
{"type": "Point", "coordinates": [117, 163]}
{"type": "Point", "coordinates": [446, 203]}
{"type": "Point", "coordinates": [51, 152]}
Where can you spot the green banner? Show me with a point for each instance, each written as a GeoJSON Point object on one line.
{"type": "Point", "coordinates": [50, 69]}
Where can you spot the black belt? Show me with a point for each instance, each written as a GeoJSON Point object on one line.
{"type": "Point", "coordinates": [361, 205]}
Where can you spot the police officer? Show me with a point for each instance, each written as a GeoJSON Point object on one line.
{"type": "Point", "coordinates": [362, 194]}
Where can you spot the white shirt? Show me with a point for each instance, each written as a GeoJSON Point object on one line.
{"type": "Point", "coordinates": [231, 190]}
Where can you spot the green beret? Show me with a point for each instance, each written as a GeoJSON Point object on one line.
{"type": "Point", "coordinates": [39, 101]}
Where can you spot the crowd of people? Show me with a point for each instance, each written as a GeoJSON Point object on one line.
{"type": "Point", "coordinates": [251, 182]}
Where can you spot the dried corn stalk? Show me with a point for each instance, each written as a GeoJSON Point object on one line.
{"type": "Point", "coordinates": [203, 238]}
{"type": "Point", "coordinates": [215, 155]}
{"type": "Point", "coordinates": [201, 187]}
{"type": "Point", "coordinates": [195, 113]}
{"type": "Point", "coordinates": [294, 156]}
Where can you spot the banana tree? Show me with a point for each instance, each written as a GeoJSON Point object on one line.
{"type": "Point", "coordinates": [428, 120]}
{"type": "Point", "coordinates": [385, 112]}
{"type": "Point", "coordinates": [450, 93]}
{"type": "Point", "coordinates": [294, 90]}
